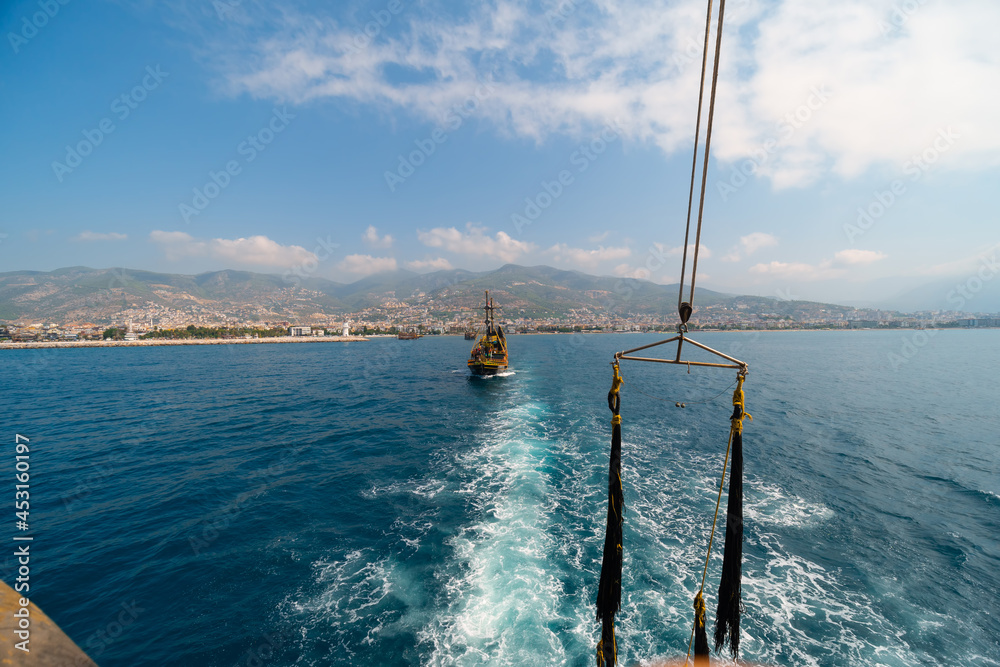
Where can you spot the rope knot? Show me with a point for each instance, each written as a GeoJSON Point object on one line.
{"type": "Point", "coordinates": [617, 381]}
{"type": "Point", "coordinates": [738, 405]}
{"type": "Point", "coordinates": [699, 610]}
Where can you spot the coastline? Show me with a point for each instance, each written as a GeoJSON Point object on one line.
{"type": "Point", "coordinates": [34, 345]}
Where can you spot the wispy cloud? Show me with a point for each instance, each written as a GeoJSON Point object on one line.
{"type": "Point", "coordinates": [98, 236]}
{"type": "Point", "coordinates": [965, 265]}
{"type": "Point", "coordinates": [678, 251]}
{"type": "Point", "coordinates": [855, 256]}
{"type": "Point", "coordinates": [629, 271]}
{"type": "Point", "coordinates": [371, 238]}
{"type": "Point", "coordinates": [438, 264]}
{"type": "Point", "coordinates": [889, 91]}
{"type": "Point", "coordinates": [475, 241]}
{"type": "Point", "coordinates": [366, 265]}
{"type": "Point", "coordinates": [255, 250]}
{"type": "Point", "coordinates": [826, 269]}
{"type": "Point", "coordinates": [750, 244]}
{"type": "Point", "coordinates": [586, 259]}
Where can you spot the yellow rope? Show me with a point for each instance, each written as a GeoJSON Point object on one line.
{"type": "Point", "coordinates": [699, 611]}
{"type": "Point", "coordinates": [617, 381]}
{"type": "Point", "coordinates": [736, 426]}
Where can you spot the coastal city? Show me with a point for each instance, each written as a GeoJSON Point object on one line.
{"type": "Point", "coordinates": [81, 304]}
{"type": "Point", "coordinates": [394, 317]}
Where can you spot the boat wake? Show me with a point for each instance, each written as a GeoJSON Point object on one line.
{"type": "Point", "coordinates": [497, 563]}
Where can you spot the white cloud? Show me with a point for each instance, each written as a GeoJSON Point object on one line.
{"type": "Point", "coordinates": [855, 256]}
{"type": "Point", "coordinates": [629, 271]}
{"type": "Point", "coordinates": [809, 89]}
{"type": "Point", "coordinates": [438, 264]}
{"type": "Point", "coordinates": [750, 244]}
{"type": "Point", "coordinates": [365, 265]}
{"type": "Point", "coordinates": [826, 269]}
{"type": "Point", "coordinates": [678, 251]}
{"type": "Point", "coordinates": [797, 270]}
{"type": "Point", "coordinates": [371, 238]}
{"type": "Point", "coordinates": [587, 259]}
{"type": "Point", "coordinates": [475, 241]}
{"type": "Point", "coordinates": [255, 250]}
{"type": "Point", "coordinates": [98, 236]}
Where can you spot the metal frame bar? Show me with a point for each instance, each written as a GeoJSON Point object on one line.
{"type": "Point", "coordinates": [680, 338]}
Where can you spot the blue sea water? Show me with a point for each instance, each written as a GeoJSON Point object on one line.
{"type": "Point", "coordinates": [371, 504]}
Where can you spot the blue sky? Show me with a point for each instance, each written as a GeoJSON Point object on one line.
{"type": "Point", "coordinates": [856, 151]}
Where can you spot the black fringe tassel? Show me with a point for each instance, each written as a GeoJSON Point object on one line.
{"type": "Point", "coordinates": [727, 614]}
{"type": "Point", "coordinates": [609, 594]}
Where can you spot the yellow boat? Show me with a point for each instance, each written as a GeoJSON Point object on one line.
{"type": "Point", "coordinates": [489, 356]}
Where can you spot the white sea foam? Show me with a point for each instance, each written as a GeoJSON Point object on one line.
{"type": "Point", "coordinates": [518, 580]}
{"type": "Point", "coordinates": [768, 505]}
{"type": "Point", "coordinates": [502, 592]}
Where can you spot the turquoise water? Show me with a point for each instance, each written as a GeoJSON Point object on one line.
{"type": "Point", "coordinates": [371, 504]}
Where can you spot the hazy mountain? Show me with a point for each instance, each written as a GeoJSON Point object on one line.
{"type": "Point", "coordinates": [970, 294]}
{"type": "Point", "coordinates": [98, 295]}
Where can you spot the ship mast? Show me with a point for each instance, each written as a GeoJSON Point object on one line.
{"type": "Point", "coordinates": [489, 314]}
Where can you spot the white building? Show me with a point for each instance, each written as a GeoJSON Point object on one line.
{"type": "Point", "coordinates": [300, 331]}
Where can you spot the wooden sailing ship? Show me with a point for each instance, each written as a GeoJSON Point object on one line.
{"type": "Point", "coordinates": [489, 355]}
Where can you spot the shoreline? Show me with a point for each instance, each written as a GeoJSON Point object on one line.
{"type": "Point", "coordinates": [167, 342]}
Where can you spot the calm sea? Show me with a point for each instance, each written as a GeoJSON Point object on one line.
{"type": "Point", "coordinates": [371, 504]}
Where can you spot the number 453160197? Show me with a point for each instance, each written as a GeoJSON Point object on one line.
{"type": "Point", "coordinates": [22, 454]}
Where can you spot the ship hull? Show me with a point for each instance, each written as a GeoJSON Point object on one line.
{"type": "Point", "coordinates": [485, 368]}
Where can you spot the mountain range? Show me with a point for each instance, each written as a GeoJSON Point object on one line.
{"type": "Point", "coordinates": [76, 294]}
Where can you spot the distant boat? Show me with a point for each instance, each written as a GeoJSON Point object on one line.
{"type": "Point", "coordinates": [489, 356]}
{"type": "Point", "coordinates": [470, 332]}
{"type": "Point", "coordinates": [409, 335]}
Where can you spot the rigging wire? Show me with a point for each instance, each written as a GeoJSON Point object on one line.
{"type": "Point", "coordinates": [685, 313]}
{"type": "Point", "coordinates": [694, 157]}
